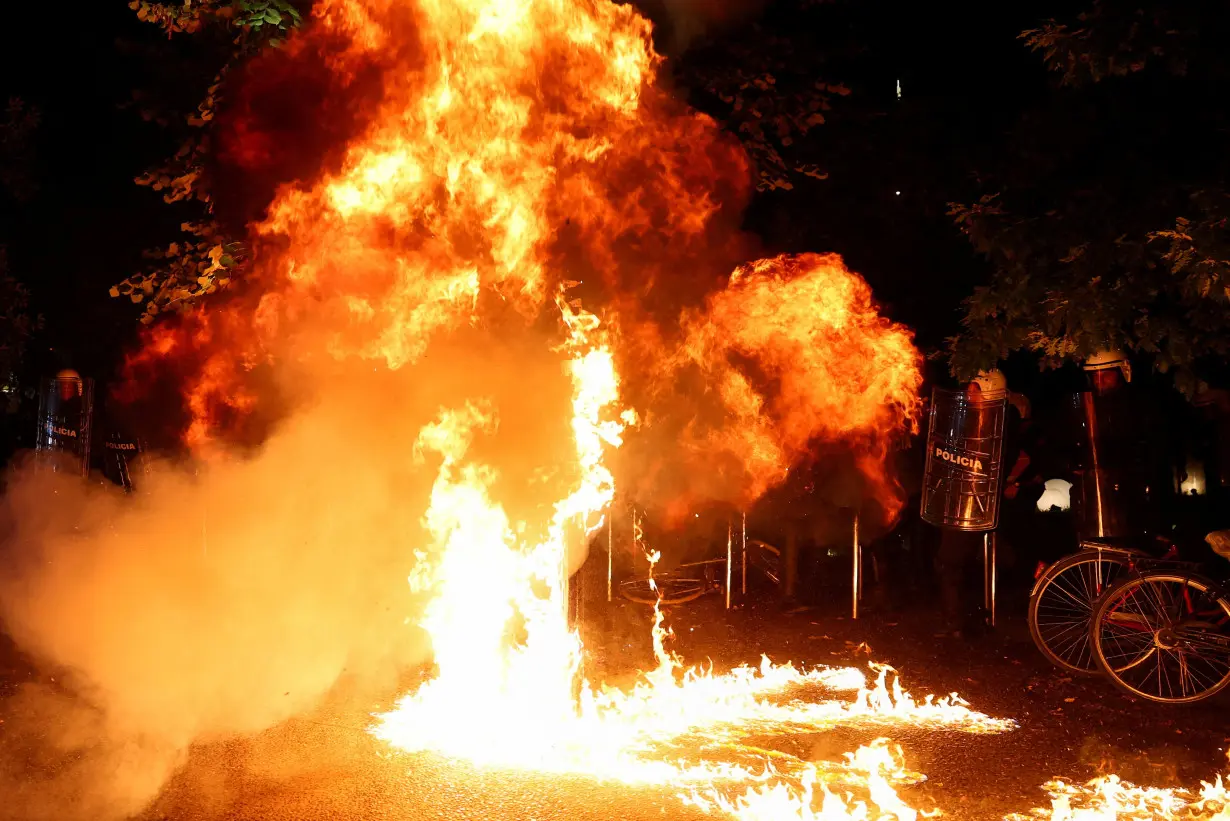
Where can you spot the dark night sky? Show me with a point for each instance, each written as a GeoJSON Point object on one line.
{"type": "Point", "coordinates": [963, 72]}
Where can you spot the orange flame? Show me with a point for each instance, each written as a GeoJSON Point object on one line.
{"type": "Point", "coordinates": [513, 146]}
{"type": "Point", "coordinates": [839, 372]}
{"type": "Point", "coordinates": [519, 174]}
{"type": "Point", "coordinates": [1109, 798]}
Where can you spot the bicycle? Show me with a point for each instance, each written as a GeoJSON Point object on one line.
{"type": "Point", "coordinates": [1163, 633]}
{"type": "Point", "coordinates": [688, 583]}
{"type": "Point", "coordinates": [1064, 595]}
{"type": "Point", "coordinates": [692, 580]}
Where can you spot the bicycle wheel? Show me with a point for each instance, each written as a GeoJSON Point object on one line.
{"type": "Point", "coordinates": [666, 588]}
{"type": "Point", "coordinates": [1164, 636]}
{"type": "Point", "coordinates": [1062, 601]}
{"type": "Point", "coordinates": [766, 558]}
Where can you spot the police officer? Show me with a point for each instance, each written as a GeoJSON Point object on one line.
{"type": "Point", "coordinates": [1126, 461]}
{"type": "Point", "coordinates": [959, 558]}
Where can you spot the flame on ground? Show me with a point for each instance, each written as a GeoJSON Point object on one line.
{"type": "Point", "coordinates": [511, 171]}
{"type": "Point", "coordinates": [1109, 798]}
{"type": "Point", "coordinates": [875, 768]}
{"type": "Point", "coordinates": [517, 171]}
{"type": "Point", "coordinates": [522, 703]}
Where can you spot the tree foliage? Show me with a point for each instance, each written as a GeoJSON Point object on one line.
{"type": "Point", "coordinates": [202, 260]}
{"type": "Point", "coordinates": [249, 17]}
{"type": "Point", "coordinates": [1106, 223]}
{"type": "Point", "coordinates": [18, 182]}
{"type": "Point", "coordinates": [766, 84]}
{"type": "Point", "coordinates": [1115, 39]}
{"type": "Point", "coordinates": [17, 325]}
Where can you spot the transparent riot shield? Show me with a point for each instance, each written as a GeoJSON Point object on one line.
{"type": "Point", "coordinates": [65, 415]}
{"type": "Point", "coordinates": [1117, 491]}
{"type": "Point", "coordinates": [121, 458]}
{"type": "Point", "coordinates": [965, 453]}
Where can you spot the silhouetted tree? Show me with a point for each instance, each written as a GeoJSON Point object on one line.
{"type": "Point", "coordinates": [18, 182]}
{"type": "Point", "coordinates": [1105, 219]}
{"type": "Point", "coordinates": [204, 258]}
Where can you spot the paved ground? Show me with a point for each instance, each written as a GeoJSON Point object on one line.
{"type": "Point", "coordinates": [325, 767]}
{"type": "Point", "coordinates": [1074, 728]}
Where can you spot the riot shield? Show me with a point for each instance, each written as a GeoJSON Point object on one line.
{"type": "Point", "coordinates": [965, 454]}
{"type": "Point", "coordinates": [121, 457]}
{"type": "Point", "coordinates": [1117, 491]}
{"type": "Point", "coordinates": [65, 415]}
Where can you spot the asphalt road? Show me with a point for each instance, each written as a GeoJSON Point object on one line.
{"type": "Point", "coordinates": [324, 766]}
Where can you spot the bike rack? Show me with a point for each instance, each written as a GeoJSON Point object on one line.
{"type": "Point", "coordinates": [856, 578]}
{"type": "Point", "coordinates": [610, 555]}
{"type": "Point", "coordinates": [857, 574]}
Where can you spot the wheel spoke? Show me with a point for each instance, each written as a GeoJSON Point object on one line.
{"type": "Point", "coordinates": [1062, 607]}
{"type": "Point", "coordinates": [1163, 637]}
{"type": "Point", "coordinates": [1081, 603]}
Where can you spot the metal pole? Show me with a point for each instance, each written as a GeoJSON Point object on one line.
{"type": "Point", "coordinates": [791, 574]}
{"type": "Point", "coordinates": [862, 571]}
{"type": "Point", "coordinates": [1091, 423]}
{"type": "Point", "coordinates": [994, 567]}
{"type": "Point", "coordinates": [743, 588]}
{"type": "Point", "coordinates": [856, 581]}
{"type": "Point", "coordinates": [988, 574]}
{"type": "Point", "coordinates": [610, 541]}
{"type": "Point", "coordinates": [986, 571]}
{"type": "Point", "coordinates": [730, 543]}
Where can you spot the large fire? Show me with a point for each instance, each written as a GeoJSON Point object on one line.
{"type": "Point", "coordinates": [536, 241]}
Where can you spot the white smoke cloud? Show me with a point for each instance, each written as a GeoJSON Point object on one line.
{"type": "Point", "coordinates": [226, 597]}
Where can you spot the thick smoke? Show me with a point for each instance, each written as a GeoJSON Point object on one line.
{"type": "Point", "coordinates": [227, 596]}
{"type": "Point", "coordinates": [428, 183]}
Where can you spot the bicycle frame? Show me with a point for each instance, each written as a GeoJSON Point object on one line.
{"type": "Point", "coordinates": [1217, 590]}
{"type": "Point", "coordinates": [1091, 547]}
{"type": "Point", "coordinates": [1136, 559]}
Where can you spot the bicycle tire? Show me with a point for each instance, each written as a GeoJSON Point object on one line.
{"type": "Point", "coordinates": [1061, 606]}
{"type": "Point", "coordinates": [670, 590]}
{"type": "Point", "coordinates": [1157, 635]}
{"type": "Point", "coordinates": [767, 559]}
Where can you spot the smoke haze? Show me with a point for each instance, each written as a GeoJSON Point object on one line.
{"type": "Point", "coordinates": [434, 212]}
{"type": "Point", "coordinates": [228, 596]}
